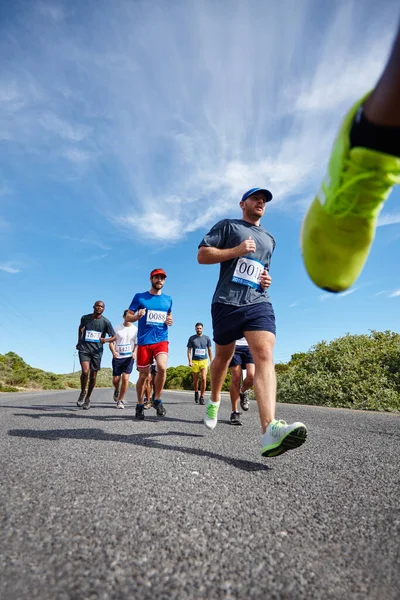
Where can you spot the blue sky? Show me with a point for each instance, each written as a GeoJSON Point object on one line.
{"type": "Point", "coordinates": [128, 128]}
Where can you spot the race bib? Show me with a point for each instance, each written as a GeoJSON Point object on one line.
{"type": "Point", "coordinates": [248, 272]}
{"type": "Point", "coordinates": [156, 317]}
{"type": "Point", "coordinates": [124, 349]}
{"type": "Point", "coordinates": [92, 336]}
{"type": "Point", "coordinates": [200, 353]}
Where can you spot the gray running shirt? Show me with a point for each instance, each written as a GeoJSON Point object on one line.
{"type": "Point", "coordinates": [94, 329]}
{"type": "Point", "coordinates": [199, 345]}
{"type": "Point", "coordinates": [237, 284]}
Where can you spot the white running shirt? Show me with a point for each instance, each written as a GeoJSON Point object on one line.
{"type": "Point", "coordinates": [126, 340]}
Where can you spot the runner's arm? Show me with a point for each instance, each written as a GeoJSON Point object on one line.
{"type": "Point", "coordinates": [112, 350]}
{"type": "Point", "coordinates": [80, 333]}
{"type": "Point", "coordinates": [134, 353]}
{"type": "Point", "coordinates": [132, 317]}
{"type": "Point", "coordinates": [209, 255]}
{"type": "Point", "coordinates": [210, 353]}
{"type": "Point", "coordinates": [108, 340]}
{"type": "Point", "coordinates": [189, 356]}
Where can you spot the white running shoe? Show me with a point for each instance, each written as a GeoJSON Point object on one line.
{"type": "Point", "coordinates": [281, 437]}
{"type": "Point", "coordinates": [120, 404]}
{"type": "Point", "coordinates": [211, 416]}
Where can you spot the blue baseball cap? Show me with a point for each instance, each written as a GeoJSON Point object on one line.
{"type": "Point", "coordinates": [267, 194]}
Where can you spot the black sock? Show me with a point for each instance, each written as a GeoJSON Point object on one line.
{"type": "Point", "coordinates": [365, 134]}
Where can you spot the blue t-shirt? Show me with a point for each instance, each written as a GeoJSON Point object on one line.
{"type": "Point", "coordinates": [238, 279]}
{"type": "Point", "coordinates": [152, 327]}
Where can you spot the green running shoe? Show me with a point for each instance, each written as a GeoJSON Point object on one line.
{"type": "Point", "coordinates": [339, 226]}
{"type": "Point", "coordinates": [280, 437]}
{"type": "Point", "coordinates": [211, 416]}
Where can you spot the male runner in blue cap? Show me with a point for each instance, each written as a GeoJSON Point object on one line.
{"type": "Point", "coordinates": [241, 307]}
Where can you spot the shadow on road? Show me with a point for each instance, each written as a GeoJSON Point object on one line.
{"type": "Point", "coordinates": [142, 439]}
{"type": "Point", "coordinates": [116, 415]}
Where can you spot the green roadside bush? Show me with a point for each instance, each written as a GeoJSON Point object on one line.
{"type": "Point", "coordinates": [15, 374]}
{"type": "Point", "coordinates": [354, 371]}
{"type": "Point", "coordinates": [181, 378]}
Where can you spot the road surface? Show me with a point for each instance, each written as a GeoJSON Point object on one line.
{"type": "Point", "coordinates": [97, 505]}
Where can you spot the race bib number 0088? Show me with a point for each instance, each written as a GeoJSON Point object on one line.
{"type": "Point", "coordinates": [156, 317]}
{"type": "Point", "coordinates": [248, 272]}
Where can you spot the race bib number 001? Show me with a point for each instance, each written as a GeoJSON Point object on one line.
{"type": "Point", "coordinates": [124, 349]}
{"type": "Point", "coordinates": [92, 336]}
{"type": "Point", "coordinates": [156, 317]}
{"type": "Point", "coordinates": [200, 352]}
{"type": "Point", "coordinates": [248, 272]}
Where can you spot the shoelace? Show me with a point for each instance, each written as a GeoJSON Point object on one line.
{"type": "Point", "coordinates": [277, 426]}
{"type": "Point", "coordinates": [212, 411]}
{"type": "Point", "coordinates": [344, 201]}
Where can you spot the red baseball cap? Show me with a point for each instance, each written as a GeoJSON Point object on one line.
{"type": "Point", "coordinates": [158, 272]}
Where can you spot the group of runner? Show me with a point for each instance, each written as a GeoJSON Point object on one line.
{"type": "Point", "coordinates": [336, 237]}
{"type": "Point", "coordinates": [243, 331]}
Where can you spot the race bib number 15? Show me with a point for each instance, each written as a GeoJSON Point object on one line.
{"type": "Point", "coordinates": [156, 317]}
{"type": "Point", "coordinates": [248, 272]}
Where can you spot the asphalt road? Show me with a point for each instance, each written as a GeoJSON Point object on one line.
{"type": "Point", "coordinates": [97, 505]}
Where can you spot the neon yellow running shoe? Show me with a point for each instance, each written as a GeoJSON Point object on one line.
{"type": "Point", "coordinates": [339, 226]}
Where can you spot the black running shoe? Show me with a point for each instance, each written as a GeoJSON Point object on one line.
{"type": "Point", "coordinates": [158, 405]}
{"type": "Point", "coordinates": [244, 400]}
{"type": "Point", "coordinates": [81, 399]}
{"type": "Point", "coordinates": [235, 419]}
{"type": "Point", "coordinates": [139, 414]}
{"type": "Point", "coordinates": [196, 397]}
{"type": "Point", "coordinates": [201, 400]}
{"type": "Point", "coordinates": [86, 404]}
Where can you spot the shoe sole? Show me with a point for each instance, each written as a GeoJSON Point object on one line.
{"type": "Point", "coordinates": [293, 440]}
{"type": "Point", "coordinates": [139, 417]}
{"type": "Point", "coordinates": [86, 407]}
{"type": "Point", "coordinates": [79, 404]}
{"type": "Point", "coordinates": [236, 423]}
{"type": "Point", "coordinates": [244, 407]}
{"type": "Point", "coordinates": [207, 424]}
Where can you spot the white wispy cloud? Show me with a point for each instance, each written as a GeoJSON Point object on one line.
{"type": "Point", "coordinates": [347, 292]}
{"type": "Point", "coordinates": [96, 257]}
{"type": "Point", "coordinates": [325, 297]}
{"type": "Point", "coordinates": [8, 268]}
{"type": "Point", "coordinates": [292, 305]}
{"type": "Point", "coordinates": [191, 106]}
{"type": "Point", "coordinates": [394, 294]}
{"type": "Point", "coordinates": [83, 240]}
{"type": "Point", "coordinates": [388, 219]}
